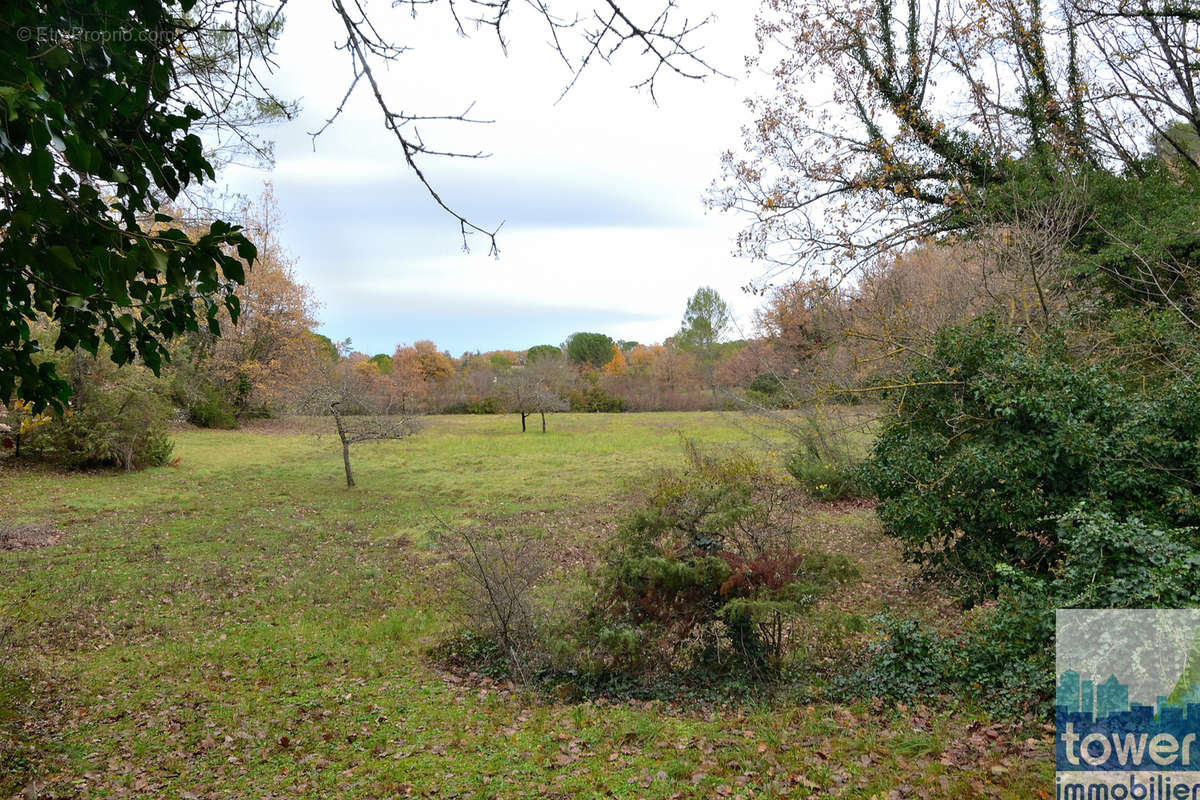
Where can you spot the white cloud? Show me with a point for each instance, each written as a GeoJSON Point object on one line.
{"type": "Point", "coordinates": [601, 192]}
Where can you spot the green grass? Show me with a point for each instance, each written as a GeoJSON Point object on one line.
{"type": "Point", "coordinates": [242, 625]}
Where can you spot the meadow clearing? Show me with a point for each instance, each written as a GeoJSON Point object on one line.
{"type": "Point", "coordinates": [240, 624]}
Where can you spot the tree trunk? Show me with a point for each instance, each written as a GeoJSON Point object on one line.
{"type": "Point", "coordinates": [337, 420]}
{"type": "Point", "coordinates": [543, 422]}
{"type": "Point", "coordinates": [346, 461]}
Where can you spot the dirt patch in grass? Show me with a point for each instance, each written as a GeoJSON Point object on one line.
{"type": "Point", "coordinates": [29, 537]}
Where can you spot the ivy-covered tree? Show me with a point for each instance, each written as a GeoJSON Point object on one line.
{"type": "Point", "coordinates": [946, 120]}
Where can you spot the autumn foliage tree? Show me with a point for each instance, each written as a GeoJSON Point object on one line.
{"type": "Point", "coordinates": [616, 364]}
{"type": "Point", "coordinates": [266, 355]}
{"type": "Point", "coordinates": [256, 365]}
{"type": "Point", "coordinates": [424, 359]}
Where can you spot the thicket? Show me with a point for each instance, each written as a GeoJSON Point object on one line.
{"type": "Point", "coordinates": [826, 459]}
{"type": "Point", "coordinates": [702, 587]}
{"type": "Point", "coordinates": [1029, 478]}
{"type": "Point", "coordinates": [998, 438]}
{"type": "Point", "coordinates": [115, 417]}
{"type": "Point", "coordinates": [593, 398]}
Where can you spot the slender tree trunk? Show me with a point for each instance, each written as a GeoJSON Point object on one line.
{"type": "Point", "coordinates": [337, 419]}
{"type": "Point", "coordinates": [346, 461]}
{"type": "Point", "coordinates": [543, 422]}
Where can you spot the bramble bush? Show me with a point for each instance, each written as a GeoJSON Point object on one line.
{"type": "Point", "coordinates": [498, 572]}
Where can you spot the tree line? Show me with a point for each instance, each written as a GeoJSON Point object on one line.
{"type": "Point", "coordinates": [274, 361]}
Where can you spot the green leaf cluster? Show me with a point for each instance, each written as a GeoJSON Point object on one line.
{"type": "Point", "coordinates": [994, 439]}
{"type": "Point", "coordinates": [92, 148]}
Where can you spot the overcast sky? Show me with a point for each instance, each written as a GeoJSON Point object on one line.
{"type": "Point", "coordinates": [601, 195]}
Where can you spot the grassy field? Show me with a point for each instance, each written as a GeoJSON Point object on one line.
{"type": "Point", "coordinates": [242, 625]}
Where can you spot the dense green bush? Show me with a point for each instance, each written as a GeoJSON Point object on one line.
{"type": "Point", "coordinates": [776, 402]}
{"type": "Point", "coordinates": [103, 435]}
{"type": "Point", "coordinates": [212, 411]}
{"type": "Point", "coordinates": [1015, 470]}
{"type": "Point", "coordinates": [768, 390]}
{"type": "Point", "coordinates": [995, 439]}
{"type": "Point", "coordinates": [116, 417]}
{"type": "Point", "coordinates": [1125, 563]}
{"type": "Point", "coordinates": [485, 405]}
{"type": "Point", "coordinates": [909, 661]}
{"type": "Point", "coordinates": [1004, 660]}
{"type": "Point", "coordinates": [704, 578]}
{"type": "Point", "coordinates": [194, 391]}
{"type": "Point", "coordinates": [594, 399]}
{"type": "Point", "coordinates": [767, 383]}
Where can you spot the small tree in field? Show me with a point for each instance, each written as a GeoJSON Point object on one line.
{"type": "Point", "coordinates": [527, 391]}
{"type": "Point", "coordinates": [355, 428]}
{"type": "Point", "coordinates": [357, 406]}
